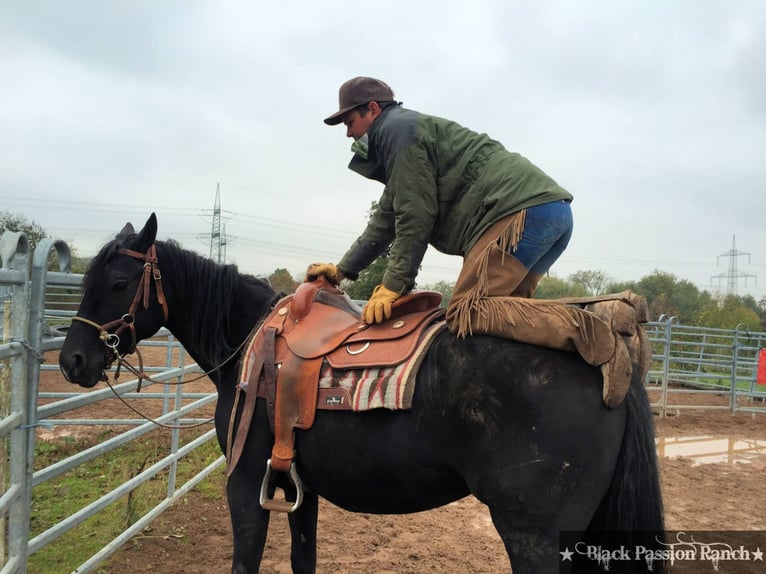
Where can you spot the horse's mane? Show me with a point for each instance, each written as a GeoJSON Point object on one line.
{"type": "Point", "coordinates": [213, 292]}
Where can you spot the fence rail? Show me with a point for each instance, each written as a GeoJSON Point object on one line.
{"type": "Point", "coordinates": [705, 362]}
{"type": "Point", "coordinates": [38, 303]}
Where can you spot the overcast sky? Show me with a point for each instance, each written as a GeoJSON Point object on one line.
{"type": "Point", "coordinates": [651, 112]}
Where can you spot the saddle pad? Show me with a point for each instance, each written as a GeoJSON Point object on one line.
{"type": "Point", "coordinates": [390, 387]}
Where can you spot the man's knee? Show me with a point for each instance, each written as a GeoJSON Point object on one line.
{"type": "Point", "coordinates": [528, 285]}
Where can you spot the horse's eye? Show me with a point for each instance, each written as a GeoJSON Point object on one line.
{"type": "Point", "coordinates": [119, 285]}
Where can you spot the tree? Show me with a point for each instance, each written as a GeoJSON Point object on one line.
{"type": "Point", "coordinates": [750, 302]}
{"type": "Point", "coordinates": [728, 314]}
{"type": "Point", "coordinates": [15, 222]}
{"type": "Point", "coordinates": [35, 233]}
{"type": "Point", "coordinates": [552, 287]}
{"type": "Point", "coordinates": [446, 289]}
{"type": "Point", "coordinates": [282, 281]}
{"type": "Point", "coordinates": [79, 264]}
{"type": "Point", "coordinates": [368, 279]}
{"type": "Point", "coordinates": [668, 296]}
{"type": "Point", "coordinates": [592, 282]}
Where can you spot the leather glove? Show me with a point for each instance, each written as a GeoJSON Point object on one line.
{"type": "Point", "coordinates": [329, 270]}
{"type": "Point", "coordinates": [378, 307]}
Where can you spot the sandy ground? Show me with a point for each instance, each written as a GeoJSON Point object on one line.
{"type": "Point", "coordinates": [712, 470]}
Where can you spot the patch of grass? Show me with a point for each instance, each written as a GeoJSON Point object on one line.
{"type": "Point", "coordinates": [64, 495]}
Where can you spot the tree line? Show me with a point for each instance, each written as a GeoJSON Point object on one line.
{"type": "Point", "coordinates": [667, 295]}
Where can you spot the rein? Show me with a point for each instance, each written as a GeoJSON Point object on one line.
{"type": "Point", "coordinates": [127, 322]}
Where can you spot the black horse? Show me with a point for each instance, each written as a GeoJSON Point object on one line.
{"type": "Point", "coordinates": [521, 428]}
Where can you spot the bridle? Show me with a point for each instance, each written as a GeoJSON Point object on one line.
{"type": "Point", "coordinates": [111, 340]}
{"type": "Point", "coordinates": [127, 321]}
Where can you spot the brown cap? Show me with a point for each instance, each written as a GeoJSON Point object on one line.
{"type": "Point", "coordinates": [359, 91]}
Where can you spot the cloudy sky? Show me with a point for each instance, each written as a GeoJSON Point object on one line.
{"type": "Point", "coordinates": [651, 112]}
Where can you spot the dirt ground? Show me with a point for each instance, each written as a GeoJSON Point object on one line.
{"type": "Point", "coordinates": [712, 467]}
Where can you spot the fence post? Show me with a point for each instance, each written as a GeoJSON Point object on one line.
{"type": "Point", "coordinates": [36, 327]}
{"type": "Point", "coordinates": [734, 356]}
{"type": "Point", "coordinates": [37, 310]}
{"type": "Point", "coordinates": [666, 365]}
{"type": "Point", "coordinates": [5, 395]}
{"type": "Point", "coordinates": [14, 250]}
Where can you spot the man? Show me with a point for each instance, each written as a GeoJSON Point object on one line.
{"type": "Point", "coordinates": [466, 195]}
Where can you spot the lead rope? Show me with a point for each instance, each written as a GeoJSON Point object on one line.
{"type": "Point", "coordinates": [150, 419]}
{"type": "Point", "coordinates": [105, 336]}
{"type": "Point", "coordinates": [112, 340]}
{"type": "Point", "coordinates": [140, 374]}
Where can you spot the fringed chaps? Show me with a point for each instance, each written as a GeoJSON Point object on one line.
{"type": "Point", "coordinates": [482, 301]}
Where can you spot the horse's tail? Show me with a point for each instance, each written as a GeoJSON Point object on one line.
{"type": "Point", "coordinates": [631, 512]}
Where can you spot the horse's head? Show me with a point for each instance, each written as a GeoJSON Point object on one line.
{"type": "Point", "coordinates": [122, 302]}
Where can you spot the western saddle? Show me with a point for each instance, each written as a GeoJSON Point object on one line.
{"type": "Point", "coordinates": [317, 323]}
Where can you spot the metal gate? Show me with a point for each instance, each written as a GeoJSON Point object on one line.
{"type": "Point", "coordinates": [28, 329]}
{"type": "Point", "coordinates": [702, 361]}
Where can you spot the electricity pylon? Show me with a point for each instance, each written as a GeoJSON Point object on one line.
{"type": "Point", "coordinates": [732, 276]}
{"type": "Point", "coordinates": [217, 237]}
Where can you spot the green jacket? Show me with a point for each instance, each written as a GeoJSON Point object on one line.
{"type": "Point", "coordinates": [445, 185]}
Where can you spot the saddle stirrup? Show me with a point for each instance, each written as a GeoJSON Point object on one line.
{"type": "Point", "coordinates": [273, 505]}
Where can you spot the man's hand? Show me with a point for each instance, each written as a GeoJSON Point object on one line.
{"type": "Point", "coordinates": [329, 270]}
{"type": "Point", "coordinates": [378, 307]}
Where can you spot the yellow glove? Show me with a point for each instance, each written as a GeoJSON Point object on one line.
{"type": "Point", "coordinates": [329, 270]}
{"type": "Point", "coordinates": [378, 307]}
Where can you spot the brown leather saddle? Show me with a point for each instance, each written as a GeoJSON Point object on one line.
{"type": "Point", "coordinates": [319, 322]}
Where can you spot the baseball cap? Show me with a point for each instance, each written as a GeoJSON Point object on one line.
{"type": "Point", "coordinates": [356, 92]}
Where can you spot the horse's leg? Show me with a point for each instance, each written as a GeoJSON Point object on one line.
{"type": "Point", "coordinates": [531, 550]}
{"type": "Point", "coordinates": [303, 533]}
{"type": "Point", "coordinates": [249, 522]}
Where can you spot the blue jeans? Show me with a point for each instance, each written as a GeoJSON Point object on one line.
{"type": "Point", "coordinates": [547, 230]}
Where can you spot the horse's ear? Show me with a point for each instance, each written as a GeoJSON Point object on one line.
{"type": "Point", "coordinates": [125, 231]}
{"type": "Point", "coordinates": [147, 235]}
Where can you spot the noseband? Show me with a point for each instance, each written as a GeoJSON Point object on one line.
{"type": "Point", "coordinates": [127, 321]}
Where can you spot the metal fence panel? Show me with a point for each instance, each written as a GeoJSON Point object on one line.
{"type": "Point", "coordinates": [705, 362]}
{"type": "Point", "coordinates": [38, 302]}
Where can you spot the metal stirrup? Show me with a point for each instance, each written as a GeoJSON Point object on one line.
{"type": "Point", "coordinates": [281, 505]}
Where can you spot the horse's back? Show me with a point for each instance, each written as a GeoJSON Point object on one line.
{"type": "Point", "coordinates": [489, 416]}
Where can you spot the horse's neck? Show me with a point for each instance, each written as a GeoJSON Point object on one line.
{"type": "Point", "coordinates": [235, 322]}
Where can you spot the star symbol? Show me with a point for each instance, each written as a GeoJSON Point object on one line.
{"type": "Point", "coordinates": [758, 554]}
{"type": "Point", "coordinates": [566, 555]}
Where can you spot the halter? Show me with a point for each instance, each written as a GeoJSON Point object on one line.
{"type": "Point", "coordinates": [127, 322]}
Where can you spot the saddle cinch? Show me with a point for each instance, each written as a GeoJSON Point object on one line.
{"type": "Point", "coordinates": [319, 323]}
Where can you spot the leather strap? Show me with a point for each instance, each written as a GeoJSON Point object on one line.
{"type": "Point", "coordinates": [244, 422]}
{"type": "Point", "coordinates": [151, 271]}
{"type": "Point", "coordinates": [270, 371]}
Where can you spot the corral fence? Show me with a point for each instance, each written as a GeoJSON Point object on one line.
{"type": "Point", "coordinates": [720, 366]}
{"type": "Point", "coordinates": [38, 303]}
{"type": "Point", "coordinates": [37, 306]}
